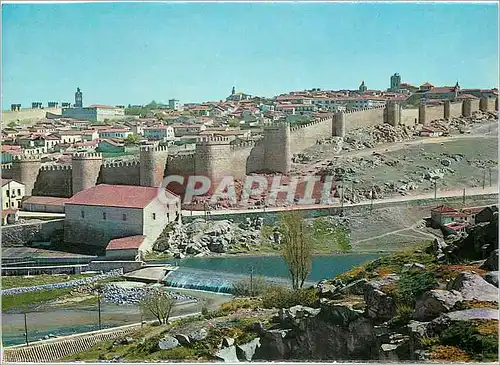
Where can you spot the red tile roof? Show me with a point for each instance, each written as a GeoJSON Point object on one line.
{"type": "Point", "coordinates": [126, 243]}
{"type": "Point", "coordinates": [444, 209]}
{"type": "Point", "coordinates": [102, 106]}
{"type": "Point", "coordinates": [124, 196]}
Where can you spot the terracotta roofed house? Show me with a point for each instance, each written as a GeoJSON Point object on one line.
{"type": "Point", "coordinates": [106, 212]}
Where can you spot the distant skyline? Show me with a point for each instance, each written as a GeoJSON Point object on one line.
{"type": "Point", "coordinates": [132, 53]}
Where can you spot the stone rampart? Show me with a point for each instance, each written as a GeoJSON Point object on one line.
{"type": "Point", "coordinates": [306, 135]}
{"type": "Point", "coordinates": [363, 118]}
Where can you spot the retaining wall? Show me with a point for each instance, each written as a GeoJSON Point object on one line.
{"type": "Point", "coordinates": [20, 234]}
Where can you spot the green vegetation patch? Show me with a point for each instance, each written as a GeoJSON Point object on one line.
{"type": "Point", "coordinates": [22, 281]}
{"type": "Point", "coordinates": [25, 300]}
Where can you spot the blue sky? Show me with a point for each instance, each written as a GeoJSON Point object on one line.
{"type": "Point", "coordinates": [121, 53]}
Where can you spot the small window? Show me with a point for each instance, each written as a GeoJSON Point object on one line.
{"type": "Point", "coordinates": [8, 193]}
{"type": "Point", "coordinates": [18, 191]}
{"type": "Point", "coordinates": [104, 216]}
{"type": "Point", "coordinates": [7, 205]}
{"type": "Point", "coordinates": [12, 204]}
{"type": "Point", "coordinates": [124, 217]}
{"type": "Point", "coordinates": [154, 216]}
{"type": "Point", "coordinates": [82, 213]}
{"type": "Point", "coordinates": [19, 204]}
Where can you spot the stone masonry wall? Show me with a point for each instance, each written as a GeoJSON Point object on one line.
{"type": "Point", "coordinates": [54, 181]}
{"type": "Point", "coordinates": [306, 135]}
{"type": "Point", "coordinates": [455, 109]}
{"type": "Point", "coordinates": [120, 173]}
{"type": "Point", "coordinates": [409, 116]}
{"type": "Point", "coordinates": [364, 118]}
{"type": "Point", "coordinates": [434, 113]}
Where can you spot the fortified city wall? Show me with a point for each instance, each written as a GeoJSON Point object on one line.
{"type": "Point", "coordinates": [27, 114]}
{"type": "Point", "coordinates": [216, 157]}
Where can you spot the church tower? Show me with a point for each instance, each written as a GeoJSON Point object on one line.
{"type": "Point", "coordinates": [78, 98]}
{"type": "Point", "coordinates": [233, 91]}
{"type": "Point", "coordinates": [363, 87]}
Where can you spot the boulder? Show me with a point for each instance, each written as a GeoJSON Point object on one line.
{"type": "Point", "coordinates": [198, 335]}
{"type": "Point", "coordinates": [296, 313]}
{"type": "Point", "coordinates": [183, 339]}
{"type": "Point", "coordinates": [167, 343]}
{"type": "Point", "coordinates": [379, 305]}
{"type": "Point", "coordinates": [246, 352]}
{"type": "Point", "coordinates": [491, 263]}
{"type": "Point", "coordinates": [434, 303]}
{"type": "Point", "coordinates": [274, 345]}
{"type": "Point", "coordinates": [326, 290]}
{"type": "Point", "coordinates": [227, 342]}
{"type": "Point", "coordinates": [227, 354]}
{"type": "Point", "coordinates": [492, 277]}
{"type": "Point", "coordinates": [474, 287]}
{"type": "Point", "coordinates": [355, 288]}
{"type": "Point", "coordinates": [340, 314]}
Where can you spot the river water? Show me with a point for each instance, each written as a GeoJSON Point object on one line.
{"type": "Point", "coordinates": [213, 274]}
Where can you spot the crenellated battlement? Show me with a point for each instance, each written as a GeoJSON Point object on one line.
{"type": "Point", "coordinates": [109, 165]}
{"type": "Point", "coordinates": [364, 109]}
{"type": "Point", "coordinates": [56, 167]}
{"type": "Point", "coordinates": [310, 124]}
{"type": "Point", "coordinates": [183, 156]}
{"type": "Point", "coordinates": [242, 145]}
{"type": "Point", "coordinates": [214, 140]}
{"type": "Point", "coordinates": [7, 166]}
{"type": "Point", "coordinates": [27, 158]}
{"type": "Point", "coordinates": [86, 156]}
{"type": "Point", "coordinates": [153, 148]}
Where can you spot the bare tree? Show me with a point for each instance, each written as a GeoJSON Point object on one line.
{"type": "Point", "coordinates": [297, 247]}
{"type": "Point", "coordinates": [159, 304]}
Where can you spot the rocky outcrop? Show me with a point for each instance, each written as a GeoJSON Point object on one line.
{"type": "Point", "coordinates": [491, 263]}
{"type": "Point", "coordinates": [167, 343]}
{"type": "Point", "coordinates": [227, 354]}
{"type": "Point", "coordinates": [246, 352]}
{"type": "Point", "coordinates": [492, 278]}
{"type": "Point", "coordinates": [473, 287]}
{"type": "Point", "coordinates": [434, 303]}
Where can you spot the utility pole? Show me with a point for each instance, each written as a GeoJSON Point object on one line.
{"type": "Point", "coordinates": [489, 170]}
{"type": "Point", "coordinates": [251, 281]}
{"type": "Point", "coordinates": [371, 201]}
{"type": "Point", "coordinates": [463, 198]}
{"type": "Point", "coordinates": [26, 329]}
{"type": "Point", "coordinates": [435, 189]}
{"type": "Point", "coordinates": [342, 199]}
{"type": "Point", "coordinates": [99, 306]}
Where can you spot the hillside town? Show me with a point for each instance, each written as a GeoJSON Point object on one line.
{"type": "Point", "coordinates": [176, 187]}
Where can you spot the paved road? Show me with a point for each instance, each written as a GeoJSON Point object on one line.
{"type": "Point", "coordinates": [407, 198]}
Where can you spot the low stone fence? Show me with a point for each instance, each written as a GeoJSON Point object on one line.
{"type": "Point", "coordinates": [107, 265]}
{"type": "Point", "coordinates": [67, 284]}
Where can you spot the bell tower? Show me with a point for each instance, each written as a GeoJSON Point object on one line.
{"type": "Point", "coordinates": [78, 98]}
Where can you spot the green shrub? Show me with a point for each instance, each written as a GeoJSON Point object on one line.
{"type": "Point", "coordinates": [412, 284]}
{"type": "Point", "coordinates": [177, 353]}
{"type": "Point", "coordinates": [281, 297]}
{"type": "Point", "coordinates": [250, 287]}
{"type": "Point", "coordinates": [467, 337]}
{"type": "Point", "coordinates": [404, 313]}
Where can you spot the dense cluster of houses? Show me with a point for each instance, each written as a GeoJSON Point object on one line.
{"type": "Point", "coordinates": [455, 220]}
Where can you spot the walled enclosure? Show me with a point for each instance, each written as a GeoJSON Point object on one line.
{"type": "Point", "coordinates": [219, 157]}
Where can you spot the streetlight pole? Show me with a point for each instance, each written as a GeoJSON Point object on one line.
{"type": "Point", "coordinates": [489, 170]}
{"type": "Point", "coordinates": [26, 329]}
{"type": "Point", "coordinates": [463, 198]}
{"type": "Point", "coordinates": [435, 189]}
{"type": "Point", "coordinates": [251, 281]}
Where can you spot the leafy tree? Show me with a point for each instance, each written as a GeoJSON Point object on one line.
{"type": "Point", "coordinates": [234, 123]}
{"type": "Point", "coordinates": [297, 248]}
{"type": "Point", "coordinates": [159, 304]}
{"type": "Point", "coordinates": [132, 139]}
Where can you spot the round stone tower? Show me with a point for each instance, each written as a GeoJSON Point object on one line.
{"type": "Point", "coordinates": [85, 170]}
{"type": "Point", "coordinates": [483, 104]}
{"type": "Point", "coordinates": [393, 111]}
{"type": "Point", "coordinates": [213, 158]}
{"type": "Point", "coordinates": [447, 109]}
{"type": "Point", "coordinates": [467, 108]}
{"type": "Point", "coordinates": [277, 151]}
{"type": "Point", "coordinates": [25, 169]}
{"type": "Point", "coordinates": [339, 124]}
{"type": "Point", "coordinates": [153, 162]}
